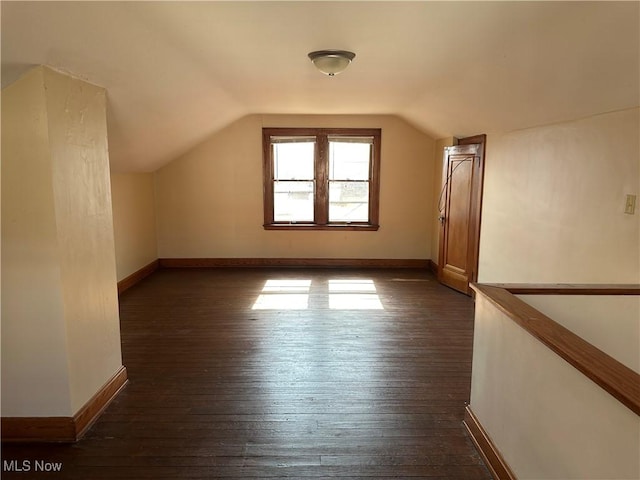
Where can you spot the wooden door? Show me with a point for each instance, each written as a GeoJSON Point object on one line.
{"type": "Point", "coordinates": [459, 209]}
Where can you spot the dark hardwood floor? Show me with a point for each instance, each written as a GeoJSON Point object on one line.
{"type": "Point", "coordinates": [270, 373]}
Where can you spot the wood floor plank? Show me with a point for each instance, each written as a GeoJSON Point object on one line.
{"type": "Point", "coordinates": [320, 386]}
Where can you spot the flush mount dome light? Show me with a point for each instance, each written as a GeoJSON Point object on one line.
{"type": "Point", "coordinates": [331, 62]}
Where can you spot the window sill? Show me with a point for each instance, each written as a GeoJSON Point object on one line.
{"type": "Point", "coordinates": [312, 226]}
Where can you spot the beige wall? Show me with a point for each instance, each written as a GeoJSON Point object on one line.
{"type": "Point", "coordinates": [61, 323]}
{"type": "Point", "coordinates": [35, 378]}
{"type": "Point", "coordinates": [209, 202]}
{"type": "Point", "coordinates": [77, 121]}
{"type": "Point", "coordinates": [548, 420]}
{"type": "Point", "coordinates": [609, 322]}
{"type": "Point", "coordinates": [134, 221]}
{"type": "Point", "coordinates": [554, 199]}
{"type": "Point", "coordinates": [553, 213]}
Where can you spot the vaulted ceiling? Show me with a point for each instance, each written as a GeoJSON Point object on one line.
{"type": "Point", "coordinates": [175, 72]}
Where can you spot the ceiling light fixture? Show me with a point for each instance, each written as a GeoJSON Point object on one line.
{"type": "Point", "coordinates": [331, 62]}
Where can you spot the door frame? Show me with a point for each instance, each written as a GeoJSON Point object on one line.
{"type": "Point", "coordinates": [475, 213]}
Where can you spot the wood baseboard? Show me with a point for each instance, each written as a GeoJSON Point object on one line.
{"type": "Point", "coordinates": [433, 267]}
{"type": "Point", "coordinates": [293, 262]}
{"type": "Point", "coordinates": [91, 411]}
{"type": "Point", "coordinates": [38, 429]}
{"type": "Point", "coordinates": [64, 429]}
{"type": "Point", "coordinates": [490, 454]}
{"type": "Point", "coordinates": [137, 276]}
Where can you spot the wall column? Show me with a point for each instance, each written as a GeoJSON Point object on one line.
{"type": "Point", "coordinates": [60, 323]}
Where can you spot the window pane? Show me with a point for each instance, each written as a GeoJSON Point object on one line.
{"type": "Point", "coordinates": [292, 201]}
{"type": "Point", "coordinates": [348, 160]}
{"type": "Point", "coordinates": [348, 201]}
{"type": "Point", "coordinates": [321, 178]}
{"type": "Point", "coordinates": [293, 161]}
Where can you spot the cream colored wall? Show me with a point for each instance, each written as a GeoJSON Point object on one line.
{"type": "Point", "coordinates": [35, 377]}
{"type": "Point", "coordinates": [609, 322]}
{"type": "Point", "coordinates": [77, 121]}
{"type": "Point", "coordinates": [548, 420]}
{"type": "Point", "coordinates": [134, 221]}
{"type": "Point", "coordinates": [61, 324]}
{"type": "Point", "coordinates": [553, 213]}
{"type": "Point", "coordinates": [209, 202]}
{"type": "Point", "coordinates": [554, 199]}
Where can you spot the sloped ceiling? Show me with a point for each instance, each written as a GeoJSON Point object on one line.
{"type": "Point", "coordinates": [175, 72]}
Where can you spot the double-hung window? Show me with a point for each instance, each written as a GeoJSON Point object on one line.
{"type": "Point", "coordinates": [321, 178]}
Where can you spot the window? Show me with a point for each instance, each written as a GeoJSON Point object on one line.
{"type": "Point", "coordinates": [321, 178]}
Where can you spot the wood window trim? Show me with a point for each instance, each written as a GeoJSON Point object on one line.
{"type": "Point", "coordinates": [321, 178]}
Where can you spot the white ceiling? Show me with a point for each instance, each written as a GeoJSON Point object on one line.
{"type": "Point", "coordinates": [177, 71]}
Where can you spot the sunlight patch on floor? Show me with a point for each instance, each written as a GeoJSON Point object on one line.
{"type": "Point", "coordinates": [338, 294]}
{"type": "Point", "coordinates": [284, 294]}
{"type": "Point", "coordinates": [353, 295]}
